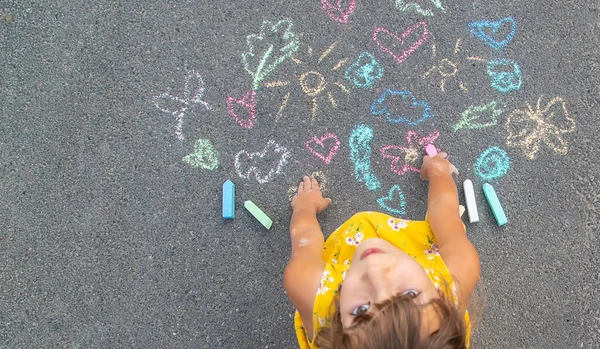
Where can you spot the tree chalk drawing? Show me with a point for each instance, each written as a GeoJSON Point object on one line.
{"type": "Point", "coordinates": [329, 137]}
{"type": "Point", "coordinates": [395, 195]}
{"type": "Point", "coordinates": [491, 32]}
{"type": "Point", "coordinates": [360, 153]}
{"type": "Point", "coordinates": [411, 152]}
{"type": "Point", "coordinates": [365, 71]}
{"type": "Point", "coordinates": [529, 128]}
{"type": "Point", "coordinates": [418, 112]}
{"type": "Point", "coordinates": [409, 47]}
{"type": "Point", "coordinates": [505, 74]}
{"type": "Point", "coordinates": [479, 117]}
{"type": "Point", "coordinates": [339, 12]}
{"type": "Point", "coordinates": [270, 48]}
{"type": "Point", "coordinates": [426, 11]}
{"type": "Point", "coordinates": [264, 165]}
{"type": "Point", "coordinates": [204, 156]}
{"type": "Point", "coordinates": [248, 102]}
{"type": "Point", "coordinates": [178, 106]}
{"type": "Point", "coordinates": [493, 163]}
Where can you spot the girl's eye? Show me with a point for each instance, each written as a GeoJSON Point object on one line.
{"type": "Point", "coordinates": [361, 309]}
{"type": "Point", "coordinates": [412, 293]}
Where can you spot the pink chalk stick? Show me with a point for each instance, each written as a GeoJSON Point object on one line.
{"type": "Point", "coordinates": [431, 150]}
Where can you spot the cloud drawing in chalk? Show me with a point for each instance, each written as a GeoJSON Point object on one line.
{"type": "Point", "coordinates": [418, 112]}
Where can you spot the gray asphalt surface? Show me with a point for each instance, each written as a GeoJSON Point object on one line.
{"type": "Point", "coordinates": [109, 239]}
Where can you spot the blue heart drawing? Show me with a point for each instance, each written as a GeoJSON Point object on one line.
{"type": "Point", "coordinates": [504, 80]}
{"type": "Point", "coordinates": [365, 71]}
{"type": "Point", "coordinates": [394, 192]}
{"type": "Point", "coordinates": [379, 107]}
{"type": "Point", "coordinates": [478, 29]}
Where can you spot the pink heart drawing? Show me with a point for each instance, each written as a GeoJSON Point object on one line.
{"type": "Point", "coordinates": [248, 101]}
{"type": "Point", "coordinates": [413, 46]}
{"type": "Point", "coordinates": [336, 12]}
{"type": "Point", "coordinates": [319, 141]}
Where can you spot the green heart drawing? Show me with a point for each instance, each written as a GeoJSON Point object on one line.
{"type": "Point", "coordinates": [204, 156]}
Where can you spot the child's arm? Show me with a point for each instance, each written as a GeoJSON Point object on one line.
{"type": "Point", "coordinates": [304, 270]}
{"type": "Point", "coordinates": [456, 250]}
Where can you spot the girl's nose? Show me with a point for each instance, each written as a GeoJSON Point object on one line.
{"type": "Point", "coordinates": [379, 279]}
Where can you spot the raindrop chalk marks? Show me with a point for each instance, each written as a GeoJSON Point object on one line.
{"type": "Point", "coordinates": [321, 143]}
{"type": "Point", "coordinates": [478, 117]}
{"type": "Point", "coordinates": [337, 12]}
{"type": "Point", "coordinates": [248, 102]}
{"type": "Point", "coordinates": [256, 165]}
{"type": "Point", "coordinates": [395, 194]}
{"type": "Point", "coordinates": [177, 106]}
{"type": "Point", "coordinates": [505, 74]}
{"type": "Point", "coordinates": [488, 32]}
{"type": "Point", "coordinates": [360, 153]}
{"type": "Point", "coordinates": [380, 107]}
{"type": "Point", "coordinates": [529, 128]}
{"type": "Point", "coordinates": [400, 57]}
{"type": "Point", "coordinates": [406, 6]}
{"type": "Point", "coordinates": [204, 156]}
{"type": "Point", "coordinates": [365, 71]}
{"type": "Point", "coordinates": [493, 163]}
{"type": "Point", "coordinates": [411, 152]}
{"type": "Point", "coordinates": [278, 42]}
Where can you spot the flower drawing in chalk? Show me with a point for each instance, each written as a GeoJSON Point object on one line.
{"type": "Point", "coordinates": [365, 71]}
{"type": "Point", "coordinates": [177, 105]}
{"type": "Point", "coordinates": [529, 128]}
{"type": "Point", "coordinates": [264, 165]}
{"type": "Point", "coordinates": [405, 157]}
{"type": "Point", "coordinates": [270, 48]}
{"type": "Point", "coordinates": [448, 68]}
{"type": "Point", "coordinates": [424, 8]}
{"type": "Point", "coordinates": [204, 156]}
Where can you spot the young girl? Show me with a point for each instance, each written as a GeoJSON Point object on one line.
{"type": "Point", "coordinates": [380, 281]}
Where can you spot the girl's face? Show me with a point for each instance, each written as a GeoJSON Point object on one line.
{"type": "Point", "coordinates": [380, 271]}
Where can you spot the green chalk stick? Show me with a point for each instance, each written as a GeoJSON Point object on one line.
{"type": "Point", "coordinates": [258, 214]}
{"type": "Point", "coordinates": [492, 199]}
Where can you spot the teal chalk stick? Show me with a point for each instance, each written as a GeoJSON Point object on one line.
{"type": "Point", "coordinates": [228, 199]}
{"type": "Point", "coordinates": [492, 199]}
{"type": "Point", "coordinates": [258, 214]}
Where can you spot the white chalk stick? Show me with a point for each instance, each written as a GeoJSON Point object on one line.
{"type": "Point", "coordinates": [471, 203]}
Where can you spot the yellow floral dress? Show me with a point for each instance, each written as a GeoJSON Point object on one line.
{"type": "Point", "coordinates": [413, 237]}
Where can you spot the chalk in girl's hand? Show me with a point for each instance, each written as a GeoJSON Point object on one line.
{"type": "Point", "coordinates": [228, 199]}
{"type": "Point", "coordinates": [258, 214]}
{"type": "Point", "coordinates": [430, 150]}
{"type": "Point", "coordinates": [492, 199]}
{"type": "Point", "coordinates": [470, 198]}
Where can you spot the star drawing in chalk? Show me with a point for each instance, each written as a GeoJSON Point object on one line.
{"type": "Point", "coordinates": [405, 157]}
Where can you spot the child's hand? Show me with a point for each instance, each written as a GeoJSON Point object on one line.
{"type": "Point", "coordinates": [436, 166]}
{"type": "Point", "coordinates": [309, 196]}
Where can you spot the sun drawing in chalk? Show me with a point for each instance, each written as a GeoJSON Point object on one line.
{"type": "Point", "coordinates": [447, 68]}
{"type": "Point", "coordinates": [315, 83]}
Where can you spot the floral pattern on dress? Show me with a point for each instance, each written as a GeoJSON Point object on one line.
{"type": "Point", "coordinates": [355, 241]}
{"type": "Point", "coordinates": [326, 278]}
{"type": "Point", "coordinates": [397, 224]}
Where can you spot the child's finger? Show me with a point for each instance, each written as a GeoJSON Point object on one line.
{"type": "Point", "coordinates": [301, 187]}
{"type": "Point", "coordinates": [314, 183]}
{"type": "Point", "coordinates": [307, 185]}
{"type": "Point", "coordinates": [443, 155]}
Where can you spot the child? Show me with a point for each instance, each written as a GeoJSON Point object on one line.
{"type": "Point", "coordinates": [379, 281]}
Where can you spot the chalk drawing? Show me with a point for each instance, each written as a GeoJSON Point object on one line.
{"type": "Point", "coordinates": [256, 165]}
{"type": "Point", "coordinates": [412, 46]}
{"type": "Point", "coordinates": [446, 68]}
{"type": "Point", "coordinates": [395, 196]}
{"type": "Point", "coordinates": [337, 11]}
{"type": "Point", "coordinates": [420, 110]}
{"type": "Point", "coordinates": [321, 179]}
{"type": "Point", "coordinates": [427, 11]}
{"type": "Point", "coordinates": [478, 117]}
{"type": "Point", "coordinates": [360, 154]}
{"type": "Point", "coordinates": [491, 32]}
{"type": "Point", "coordinates": [365, 71]}
{"type": "Point", "coordinates": [204, 156]}
{"type": "Point", "coordinates": [248, 102]}
{"type": "Point", "coordinates": [178, 106]}
{"type": "Point", "coordinates": [529, 128]}
{"type": "Point", "coordinates": [493, 163]}
{"type": "Point", "coordinates": [505, 74]}
{"type": "Point", "coordinates": [314, 84]}
{"type": "Point", "coordinates": [321, 143]}
{"type": "Point", "coordinates": [279, 43]}
{"type": "Point", "coordinates": [411, 152]}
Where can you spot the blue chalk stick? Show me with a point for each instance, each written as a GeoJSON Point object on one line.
{"type": "Point", "coordinates": [228, 199]}
{"type": "Point", "coordinates": [492, 199]}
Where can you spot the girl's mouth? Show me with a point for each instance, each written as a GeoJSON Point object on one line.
{"type": "Point", "coordinates": [369, 252]}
